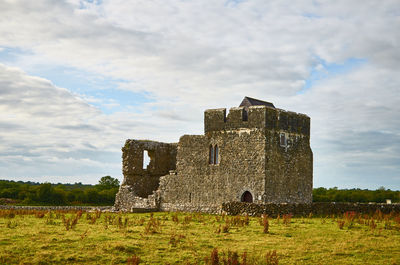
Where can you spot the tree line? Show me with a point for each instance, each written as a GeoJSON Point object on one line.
{"type": "Point", "coordinates": [355, 195]}
{"type": "Point", "coordinates": [103, 193]}
{"type": "Point", "coordinates": [33, 193]}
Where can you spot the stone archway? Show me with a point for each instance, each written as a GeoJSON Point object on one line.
{"type": "Point", "coordinates": [246, 197]}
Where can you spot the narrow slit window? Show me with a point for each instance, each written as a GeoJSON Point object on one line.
{"type": "Point", "coordinates": [216, 154]}
{"type": "Point", "coordinates": [211, 155]}
{"type": "Point", "coordinates": [146, 159]}
{"type": "Point", "coordinates": [244, 115]}
{"type": "Point", "coordinates": [283, 139]}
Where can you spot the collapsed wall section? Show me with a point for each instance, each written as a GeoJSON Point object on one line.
{"type": "Point", "coordinates": [141, 177]}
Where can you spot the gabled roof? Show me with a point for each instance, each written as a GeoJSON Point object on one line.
{"type": "Point", "coordinates": [248, 101]}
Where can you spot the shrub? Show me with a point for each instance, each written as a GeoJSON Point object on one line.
{"type": "Point", "coordinates": [287, 218]}
{"type": "Point", "coordinates": [271, 258]}
{"type": "Point", "coordinates": [10, 224]}
{"type": "Point", "coordinates": [372, 224]}
{"type": "Point", "coordinates": [39, 214]}
{"type": "Point", "coordinates": [187, 219]}
{"type": "Point", "coordinates": [152, 226]}
{"type": "Point", "coordinates": [214, 257]}
{"type": "Point", "coordinates": [134, 260]}
{"type": "Point", "coordinates": [265, 223]}
{"type": "Point", "coordinates": [340, 224]}
{"type": "Point", "coordinates": [349, 217]}
{"type": "Point", "coordinates": [175, 239]}
{"type": "Point", "coordinates": [175, 218]}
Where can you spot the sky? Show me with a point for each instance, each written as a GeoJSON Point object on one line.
{"type": "Point", "coordinates": [78, 78]}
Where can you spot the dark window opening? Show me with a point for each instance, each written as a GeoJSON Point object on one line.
{"type": "Point", "coordinates": [216, 154]}
{"type": "Point", "coordinates": [211, 155]}
{"type": "Point", "coordinates": [246, 197]}
{"type": "Point", "coordinates": [244, 115]}
{"type": "Point", "coordinates": [283, 139]}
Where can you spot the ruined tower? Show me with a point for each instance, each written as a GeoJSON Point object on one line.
{"type": "Point", "coordinates": [257, 153]}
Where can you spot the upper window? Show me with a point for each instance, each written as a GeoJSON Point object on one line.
{"type": "Point", "coordinates": [213, 155]}
{"type": "Point", "coordinates": [282, 140]}
{"type": "Point", "coordinates": [216, 154]}
{"type": "Point", "coordinates": [244, 115]}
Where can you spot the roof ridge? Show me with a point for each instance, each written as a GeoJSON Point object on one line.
{"type": "Point", "coordinates": [255, 102]}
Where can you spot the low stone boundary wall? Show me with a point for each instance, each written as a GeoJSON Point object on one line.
{"type": "Point", "coordinates": [55, 208]}
{"type": "Point", "coordinates": [316, 208]}
{"type": "Point", "coordinates": [172, 207]}
{"type": "Point", "coordinates": [252, 209]}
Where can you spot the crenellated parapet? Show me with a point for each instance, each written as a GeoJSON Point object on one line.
{"type": "Point", "coordinates": [293, 122]}
{"type": "Point", "coordinates": [256, 117]}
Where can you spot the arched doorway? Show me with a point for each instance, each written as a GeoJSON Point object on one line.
{"type": "Point", "coordinates": [246, 197]}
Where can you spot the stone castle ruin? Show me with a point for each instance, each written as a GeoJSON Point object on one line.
{"type": "Point", "coordinates": [257, 153]}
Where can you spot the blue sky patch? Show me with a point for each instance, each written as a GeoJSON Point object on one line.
{"type": "Point", "coordinates": [311, 15]}
{"type": "Point", "coordinates": [233, 2]}
{"type": "Point", "coordinates": [101, 92]}
{"type": "Point", "coordinates": [322, 70]}
{"type": "Point", "coordinates": [83, 4]}
{"type": "Point", "coordinates": [8, 55]}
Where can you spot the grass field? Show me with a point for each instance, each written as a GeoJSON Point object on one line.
{"type": "Point", "coordinates": [56, 237]}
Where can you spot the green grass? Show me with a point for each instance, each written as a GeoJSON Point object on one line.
{"type": "Point", "coordinates": [112, 238]}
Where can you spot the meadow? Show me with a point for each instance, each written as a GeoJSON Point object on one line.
{"type": "Point", "coordinates": [76, 237]}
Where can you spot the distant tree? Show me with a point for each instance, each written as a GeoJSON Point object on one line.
{"type": "Point", "coordinates": [58, 196]}
{"type": "Point", "coordinates": [107, 183]}
{"type": "Point", "coordinates": [92, 196]}
{"type": "Point", "coordinates": [108, 196]}
{"type": "Point", "coordinates": [71, 197]}
{"type": "Point", "coordinates": [33, 193]}
{"type": "Point", "coordinates": [44, 192]}
{"type": "Point", "coordinates": [9, 193]}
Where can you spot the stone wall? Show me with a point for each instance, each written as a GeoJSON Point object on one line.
{"type": "Point", "coordinates": [289, 169]}
{"type": "Point", "coordinates": [317, 208]}
{"type": "Point", "coordinates": [126, 200]}
{"type": "Point", "coordinates": [199, 184]}
{"type": "Point", "coordinates": [139, 182]}
{"type": "Point", "coordinates": [239, 208]}
{"type": "Point", "coordinates": [188, 207]}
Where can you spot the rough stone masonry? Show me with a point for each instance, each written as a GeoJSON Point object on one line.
{"type": "Point", "coordinates": [257, 153]}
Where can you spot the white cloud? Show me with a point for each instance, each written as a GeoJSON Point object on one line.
{"type": "Point", "coordinates": [355, 127]}
{"type": "Point", "coordinates": [189, 55]}
{"type": "Point", "coordinates": [48, 131]}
